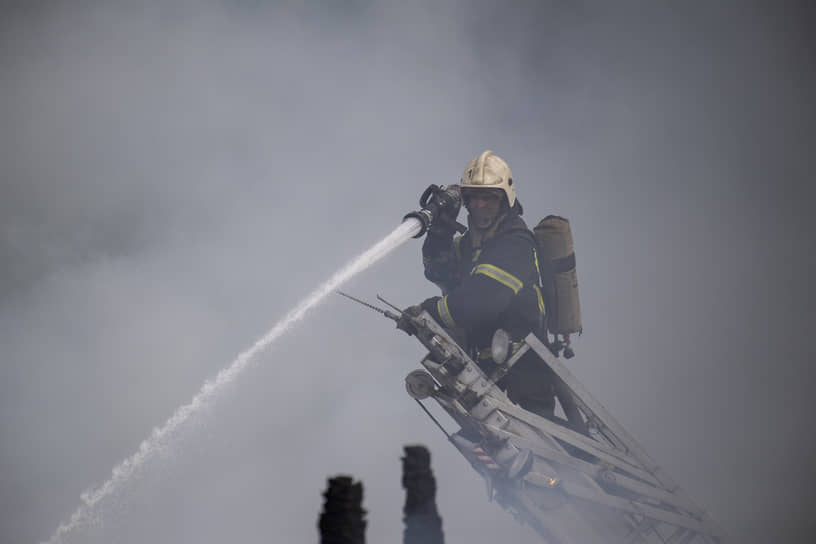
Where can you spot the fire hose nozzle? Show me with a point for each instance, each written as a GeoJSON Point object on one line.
{"type": "Point", "coordinates": [425, 218]}
{"type": "Point", "coordinates": [438, 204]}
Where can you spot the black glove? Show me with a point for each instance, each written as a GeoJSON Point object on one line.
{"type": "Point", "coordinates": [405, 323]}
{"type": "Point", "coordinates": [429, 305]}
{"type": "Point", "coordinates": [442, 228]}
{"type": "Point", "coordinates": [448, 202]}
{"type": "Point", "coordinates": [443, 204]}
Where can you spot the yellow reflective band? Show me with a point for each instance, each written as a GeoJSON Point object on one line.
{"type": "Point", "coordinates": [444, 312]}
{"type": "Point", "coordinates": [501, 276]}
{"type": "Point", "coordinates": [541, 306]}
{"type": "Point", "coordinates": [476, 255]}
{"type": "Point", "coordinates": [535, 258]}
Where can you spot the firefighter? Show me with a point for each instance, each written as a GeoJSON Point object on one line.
{"type": "Point", "coordinates": [489, 278]}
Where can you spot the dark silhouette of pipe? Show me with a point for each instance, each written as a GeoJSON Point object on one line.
{"type": "Point", "coordinates": [422, 522]}
{"type": "Point", "coordinates": [342, 520]}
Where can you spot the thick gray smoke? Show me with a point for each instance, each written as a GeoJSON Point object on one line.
{"type": "Point", "coordinates": [177, 175]}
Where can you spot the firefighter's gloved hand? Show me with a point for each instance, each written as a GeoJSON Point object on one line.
{"type": "Point", "coordinates": [441, 230]}
{"type": "Point", "coordinates": [444, 226]}
{"type": "Point", "coordinates": [404, 323]}
{"type": "Point", "coordinates": [429, 305]}
{"type": "Point", "coordinates": [446, 204]}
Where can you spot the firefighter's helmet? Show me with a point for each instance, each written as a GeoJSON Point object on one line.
{"type": "Point", "coordinates": [489, 171]}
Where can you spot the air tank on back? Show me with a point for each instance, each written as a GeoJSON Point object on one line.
{"type": "Point", "coordinates": [560, 281]}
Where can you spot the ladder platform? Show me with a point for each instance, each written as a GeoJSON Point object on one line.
{"type": "Point", "coordinates": [569, 486]}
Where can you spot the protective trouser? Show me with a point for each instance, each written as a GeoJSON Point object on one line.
{"type": "Point", "coordinates": [531, 385]}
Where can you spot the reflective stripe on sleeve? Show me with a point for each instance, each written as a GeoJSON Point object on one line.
{"type": "Point", "coordinates": [541, 306]}
{"type": "Point", "coordinates": [444, 312]}
{"type": "Point", "coordinates": [501, 276]}
{"type": "Point", "coordinates": [456, 243]}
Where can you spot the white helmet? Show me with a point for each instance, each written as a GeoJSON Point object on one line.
{"type": "Point", "coordinates": [489, 171]}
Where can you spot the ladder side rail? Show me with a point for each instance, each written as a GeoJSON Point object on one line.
{"type": "Point", "coordinates": [600, 496]}
{"type": "Point", "coordinates": [593, 471]}
{"type": "Point", "coordinates": [595, 448]}
{"type": "Point", "coordinates": [637, 535]}
{"type": "Point", "coordinates": [595, 407]}
{"type": "Point", "coordinates": [594, 420]}
{"type": "Point", "coordinates": [634, 447]}
{"type": "Point", "coordinates": [648, 528]}
{"type": "Point", "coordinates": [618, 458]}
{"type": "Point", "coordinates": [594, 493]}
{"type": "Point", "coordinates": [554, 453]}
{"type": "Point", "coordinates": [549, 453]}
{"type": "Point", "coordinates": [627, 505]}
{"type": "Point", "coordinates": [632, 506]}
{"type": "Point", "coordinates": [551, 520]}
{"type": "Point", "coordinates": [456, 410]}
{"type": "Point", "coordinates": [675, 537]}
{"type": "Point", "coordinates": [668, 498]}
{"type": "Point", "coordinates": [575, 439]}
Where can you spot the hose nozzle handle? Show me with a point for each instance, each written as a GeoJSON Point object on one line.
{"type": "Point", "coordinates": [438, 204]}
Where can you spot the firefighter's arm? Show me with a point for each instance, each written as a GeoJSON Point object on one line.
{"type": "Point", "coordinates": [440, 259]}
{"type": "Point", "coordinates": [488, 290]}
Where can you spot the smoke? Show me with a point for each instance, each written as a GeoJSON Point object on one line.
{"type": "Point", "coordinates": [148, 149]}
{"type": "Point", "coordinates": [162, 437]}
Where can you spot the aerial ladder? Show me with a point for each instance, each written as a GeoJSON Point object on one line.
{"type": "Point", "coordinates": [582, 483]}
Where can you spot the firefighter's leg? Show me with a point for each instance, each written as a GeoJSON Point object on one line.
{"type": "Point", "coordinates": [531, 385]}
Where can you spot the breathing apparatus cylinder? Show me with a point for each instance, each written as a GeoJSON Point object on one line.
{"type": "Point", "coordinates": [559, 280]}
{"type": "Point", "coordinates": [439, 205]}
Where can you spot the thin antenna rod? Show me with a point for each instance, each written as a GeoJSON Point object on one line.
{"type": "Point", "coordinates": [357, 300]}
{"type": "Point", "coordinates": [381, 299]}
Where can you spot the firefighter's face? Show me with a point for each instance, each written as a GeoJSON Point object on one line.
{"type": "Point", "coordinates": [483, 205]}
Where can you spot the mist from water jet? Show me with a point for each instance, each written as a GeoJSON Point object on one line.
{"type": "Point", "coordinates": [160, 437]}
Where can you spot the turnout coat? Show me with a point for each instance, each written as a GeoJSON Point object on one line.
{"type": "Point", "coordinates": [490, 282]}
{"type": "Point", "coordinates": [486, 283]}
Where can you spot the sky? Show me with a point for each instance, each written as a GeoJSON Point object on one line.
{"type": "Point", "coordinates": [175, 176]}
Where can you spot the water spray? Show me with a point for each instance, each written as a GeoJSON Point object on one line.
{"type": "Point", "coordinates": [161, 436]}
